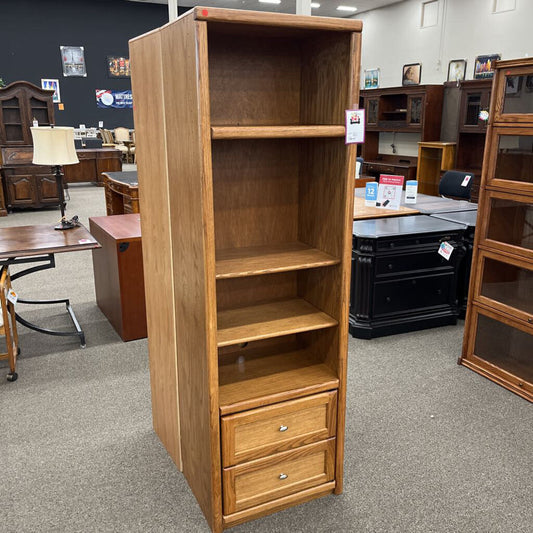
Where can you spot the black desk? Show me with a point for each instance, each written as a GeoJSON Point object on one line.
{"type": "Point", "coordinates": [399, 281]}
{"type": "Point", "coordinates": [467, 219]}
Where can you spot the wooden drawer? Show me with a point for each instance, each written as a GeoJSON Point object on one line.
{"type": "Point", "coordinates": [279, 475]}
{"type": "Point", "coordinates": [283, 426]}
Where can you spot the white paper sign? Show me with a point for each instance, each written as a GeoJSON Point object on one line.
{"type": "Point", "coordinates": [390, 191]}
{"type": "Point", "coordinates": [100, 123]}
{"type": "Point", "coordinates": [465, 181]}
{"type": "Point", "coordinates": [82, 127]}
{"type": "Point", "coordinates": [12, 296]}
{"type": "Point", "coordinates": [355, 126]}
{"type": "Point", "coordinates": [445, 249]}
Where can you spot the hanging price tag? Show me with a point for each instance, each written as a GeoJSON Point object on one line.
{"type": "Point", "coordinates": [12, 296]}
{"type": "Point", "coordinates": [466, 181]}
{"type": "Point", "coordinates": [445, 249]}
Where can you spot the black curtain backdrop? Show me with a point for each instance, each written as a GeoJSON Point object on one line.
{"type": "Point", "coordinates": [31, 32]}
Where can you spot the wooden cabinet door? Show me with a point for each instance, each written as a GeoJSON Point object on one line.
{"type": "Point", "coordinates": [20, 190]}
{"type": "Point", "coordinates": [47, 189]}
{"type": "Point", "coordinates": [415, 110]}
{"type": "Point", "coordinates": [372, 111]}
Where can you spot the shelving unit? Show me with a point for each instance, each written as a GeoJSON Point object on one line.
{"type": "Point", "coordinates": [246, 188]}
{"type": "Point", "coordinates": [498, 342]}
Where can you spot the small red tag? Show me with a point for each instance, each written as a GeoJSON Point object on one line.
{"type": "Point", "coordinates": [205, 12]}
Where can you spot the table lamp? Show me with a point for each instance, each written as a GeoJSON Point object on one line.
{"type": "Point", "coordinates": [55, 146]}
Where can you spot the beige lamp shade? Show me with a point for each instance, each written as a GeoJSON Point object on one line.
{"type": "Point", "coordinates": [53, 146]}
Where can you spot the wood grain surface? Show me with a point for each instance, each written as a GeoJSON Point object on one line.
{"type": "Point", "coordinates": [362, 212]}
{"type": "Point", "coordinates": [275, 132]}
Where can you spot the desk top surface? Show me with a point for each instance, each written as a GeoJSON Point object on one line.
{"type": "Point", "coordinates": [128, 177]}
{"type": "Point", "coordinates": [468, 218]}
{"type": "Point", "coordinates": [362, 212]}
{"type": "Point", "coordinates": [22, 241]}
{"type": "Point", "coordinates": [119, 227]}
{"type": "Point", "coordinates": [412, 225]}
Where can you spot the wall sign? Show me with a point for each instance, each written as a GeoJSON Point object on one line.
{"type": "Point", "coordinates": [118, 67]}
{"type": "Point", "coordinates": [106, 99]}
{"type": "Point", "coordinates": [73, 58]}
{"type": "Point", "coordinates": [52, 85]}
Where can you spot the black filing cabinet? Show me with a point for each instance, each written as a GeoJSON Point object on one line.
{"type": "Point", "coordinates": [399, 280]}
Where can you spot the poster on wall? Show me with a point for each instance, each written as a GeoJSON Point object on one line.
{"type": "Point", "coordinates": [106, 99]}
{"type": "Point", "coordinates": [73, 58]}
{"type": "Point", "coordinates": [484, 66]}
{"type": "Point", "coordinates": [371, 78]}
{"type": "Point", "coordinates": [52, 85]}
{"type": "Point", "coordinates": [118, 67]}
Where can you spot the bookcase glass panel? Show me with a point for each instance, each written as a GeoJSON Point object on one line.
{"type": "Point", "coordinates": [473, 107]}
{"type": "Point", "coordinates": [511, 222]}
{"type": "Point", "coordinates": [514, 160]}
{"type": "Point", "coordinates": [505, 347]}
{"type": "Point", "coordinates": [518, 95]}
{"type": "Point", "coordinates": [508, 284]}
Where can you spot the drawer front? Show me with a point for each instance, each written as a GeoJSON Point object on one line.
{"type": "Point", "coordinates": [413, 293]}
{"type": "Point", "coordinates": [283, 426]}
{"type": "Point", "coordinates": [279, 475]}
{"type": "Point", "coordinates": [394, 264]}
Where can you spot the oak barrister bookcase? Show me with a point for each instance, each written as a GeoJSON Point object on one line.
{"type": "Point", "coordinates": [246, 189]}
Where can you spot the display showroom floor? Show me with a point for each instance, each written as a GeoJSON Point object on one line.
{"type": "Point", "coordinates": [430, 446]}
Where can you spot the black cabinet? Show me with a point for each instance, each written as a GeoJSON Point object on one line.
{"type": "Point", "coordinates": [399, 280]}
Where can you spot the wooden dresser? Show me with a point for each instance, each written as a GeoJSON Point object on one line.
{"type": "Point", "coordinates": [246, 189]}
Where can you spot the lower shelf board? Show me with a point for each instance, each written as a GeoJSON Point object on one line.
{"type": "Point", "coordinates": [258, 381]}
{"type": "Point", "coordinates": [273, 319]}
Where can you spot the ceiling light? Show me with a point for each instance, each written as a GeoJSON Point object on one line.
{"type": "Point", "coordinates": [347, 8]}
{"type": "Point", "coordinates": [315, 5]}
{"type": "Point", "coordinates": [270, 1]}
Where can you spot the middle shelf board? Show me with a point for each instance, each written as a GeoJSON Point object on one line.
{"type": "Point", "coordinates": [276, 132]}
{"type": "Point", "coordinates": [273, 319]}
{"type": "Point", "coordinates": [255, 260]}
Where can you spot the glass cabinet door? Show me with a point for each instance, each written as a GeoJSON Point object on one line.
{"type": "Point", "coordinates": [472, 109]}
{"type": "Point", "coordinates": [518, 98]}
{"type": "Point", "coordinates": [415, 106]}
{"type": "Point", "coordinates": [372, 111]}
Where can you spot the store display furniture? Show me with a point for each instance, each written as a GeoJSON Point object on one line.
{"type": "Point", "coordinates": [471, 132]}
{"type": "Point", "coordinates": [362, 211]}
{"type": "Point", "coordinates": [8, 325]}
{"type": "Point", "coordinates": [3, 208]}
{"type": "Point", "coordinates": [246, 189]}
{"type": "Point", "coordinates": [399, 281]}
{"type": "Point", "coordinates": [118, 273]}
{"type": "Point", "coordinates": [498, 341]}
{"type": "Point", "coordinates": [121, 192]}
{"type": "Point", "coordinates": [416, 109]}
{"type": "Point", "coordinates": [469, 220]}
{"type": "Point", "coordinates": [433, 159]}
{"type": "Point", "coordinates": [93, 163]}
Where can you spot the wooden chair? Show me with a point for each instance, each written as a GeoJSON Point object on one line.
{"type": "Point", "coordinates": [123, 139]}
{"type": "Point", "coordinates": [8, 325]}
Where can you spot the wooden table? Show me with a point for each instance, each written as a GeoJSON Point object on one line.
{"type": "Point", "coordinates": [93, 162]}
{"type": "Point", "coordinates": [362, 212]}
{"type": "Point", "coordinates": [118, 273]}
{"type": "Point", "coordinates": [39, 244]}
{"type": "Point", "coordinates": [121, 192]}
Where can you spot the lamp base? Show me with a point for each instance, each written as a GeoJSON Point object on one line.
{"type": "Point", "coordinates": [68, 224]}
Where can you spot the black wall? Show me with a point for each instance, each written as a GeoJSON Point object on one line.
{"type": "Point", "coordinates": [31, 32]}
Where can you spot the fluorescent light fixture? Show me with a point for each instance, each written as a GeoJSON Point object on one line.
{"type": "Point", "coordinates": [270, 1]}
{"type": "Point", "coordinates": [315, 5]}
{"type": "Point", "coordinates": [347, 8]}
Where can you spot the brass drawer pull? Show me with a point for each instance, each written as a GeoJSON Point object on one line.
{"type": "Point", "coordinates": [283, 428]}
{"type": "Point", "coordinates": [283, 476]}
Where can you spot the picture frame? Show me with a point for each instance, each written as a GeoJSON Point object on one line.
{"type": "Point", "coordinates": [52, 85]}
{"type": "Point", "coordinates": [73, 61]}
{"type": "Point", "coordinates": [513, 85]}
{"type": "Point", "coordinates": [118, 67]}
{"type": "Point", "coordinates": [371, 77]}
{"type": "Point", "coordinates": [411, 74]}
{"type": "Point", "coordinates": [529, 84]}
{"type": "Point", "coordinates": [456, 70]}
{"type": "Point", "coordinates": [484, 66]}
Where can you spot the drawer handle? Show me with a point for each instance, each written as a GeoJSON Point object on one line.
{"type": "Point", "coordinates": [283, 428]}
{"type": "Point", "coordinates": [530, 320]}
{"type": "Point", "coordinates": [283, 476]}
{"type": "Point", "coordinates": [389, 266]}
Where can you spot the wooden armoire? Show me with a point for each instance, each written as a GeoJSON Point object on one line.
{"type": "Point", "coordinates": [246, 189]}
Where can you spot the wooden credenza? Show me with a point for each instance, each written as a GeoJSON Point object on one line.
{"type": "Point", "coordinates": [93, 162]}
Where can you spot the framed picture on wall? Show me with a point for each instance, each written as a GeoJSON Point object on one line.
{"type": "Point", "coordinates": [411, 74]}
{"type": "Point", "coordinates": [73, 59]}
{"type": "Point", "coordinates": [118, 67]}
{"type": "Point", "coordinates": [484, 66]}
{"type": "Point", "coordinates": [371, 78]}
{"type": "Point", "coordinates": [52, 85]}
{"type": "Point", "coordinates": [456, 70]}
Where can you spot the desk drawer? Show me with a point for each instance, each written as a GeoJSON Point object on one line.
{"type": "Point", "coordinates": [279, 475]}
{"type": "Point", "coordinates": [394, 264]}
{"type": "Point", "coordinates": [283, 426]}
{"type": "Point", "coordinates": [413, 293]}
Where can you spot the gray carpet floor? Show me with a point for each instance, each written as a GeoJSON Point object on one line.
{"type": "Point", "coordinates": [430, 445]}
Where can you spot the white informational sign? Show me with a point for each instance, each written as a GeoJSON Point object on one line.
{"type": "Point", "coordinates": [355, 126]}
{"type": "Point", "coordinates": [411, 190]}
{"type": "Point", "coordinates": [445, 249]}
{"type": "Point", "coordinates": [466, 181]}
{"type": "Point", "coordinates": [371, 194]}
{"type": "Point", "coordinates": [12, 296]}
{"type": "Point", "coordinates": [390, 191]}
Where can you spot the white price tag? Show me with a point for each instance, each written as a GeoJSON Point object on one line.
{"type": "Point", "coordinates": [82, 127]}
{"type": "Point", "coordinates": [355, 126]}
{"type": "Point", "coordinates": [465, 181]}
{"type": "Point", "coordinates": [12, 296]}
{"type": "Point", "coordinates": [445, 249]}
{"type": "Point", "coordinates": [35, 123]}
{"type": "Point", "coordinates": [100, 123]}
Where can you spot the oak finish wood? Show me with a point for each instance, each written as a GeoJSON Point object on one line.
{"type": "Point", "coordinates": [362, 211]}
{"type": "Point", "coordinates": [433, 158]}
{"type": "Point", "coordinates": [276, 132]}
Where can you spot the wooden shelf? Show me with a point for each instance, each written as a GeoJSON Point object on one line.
{"type": "Point", "coordinates": [273, 319]}
{"type": "Point", "coordinates": [251, 261]}
{"type": "Point", "coordinates": [260, 378]}
{"type": "Point", "coordinates": [275, 132]}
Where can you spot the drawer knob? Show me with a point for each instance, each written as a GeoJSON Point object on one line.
{"type": "Point", "coordinates": [530, 320]}
{"type": "Point", "coordinates": [283, 428]}
{"type": "Point", "coordinates": [389, 266]}
{"type": "Point", "coordinates": [283, 476]}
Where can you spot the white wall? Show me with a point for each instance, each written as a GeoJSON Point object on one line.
{"type": "Point", "coordinates": [392, 37]}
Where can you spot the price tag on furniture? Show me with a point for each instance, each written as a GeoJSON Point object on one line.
{"type": "Point", "coordinates": [12, 296]}
{"type": "Point", "coordinates": [445, 249]}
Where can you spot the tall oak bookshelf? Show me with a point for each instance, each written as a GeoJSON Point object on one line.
{"type": "Point", "coordinates": [246, 191]}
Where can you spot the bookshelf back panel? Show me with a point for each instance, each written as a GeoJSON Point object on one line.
{"type": "Point", "coordinates": [255, 188]}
